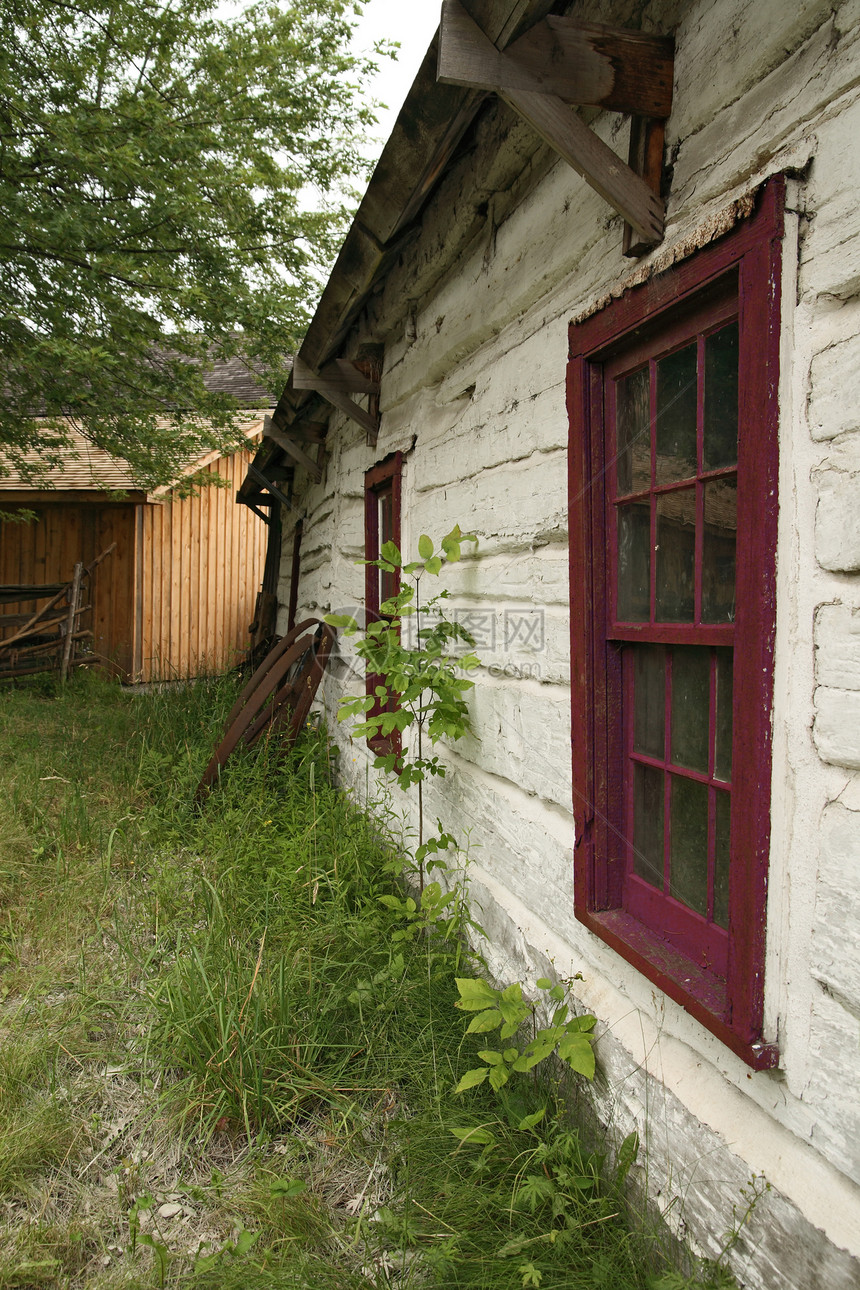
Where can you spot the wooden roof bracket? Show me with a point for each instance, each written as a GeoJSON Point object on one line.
{"type": "Point", "coordinates": [256, 506]}
{"type": "Point", "coordinates": [559, 62]}
{"type": "Point", "coordinates": [267, 484]}
{"type": "Point", "coordinates": [292, 448]}
{"type": "Point", "coordinates": [336, 381]}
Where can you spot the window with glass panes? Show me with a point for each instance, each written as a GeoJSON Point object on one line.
{"type": "Point", "coordinates": [673, 513]}
{"type": "Point", "coordinates": [381, 525]}
{"type": "Point", "coordinates": [672, 422]}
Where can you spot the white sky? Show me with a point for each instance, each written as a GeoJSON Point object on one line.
{"type": "Point", "coordinates": [413, 23]}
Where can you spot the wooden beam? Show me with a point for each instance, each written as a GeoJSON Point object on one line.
{"type": "Point", "coordinates": [259, 498]}
{"type": "Point", "coordinates": [252, 506]}
{"type": "Point", "coordinates": [269, 486]}
{"type": "Point", "coordinates": [309, 431]}
{"type": "Point", "coordinates": [470, 55]}
{"type": "Point", "coordinates": [590, 65]}
{"type": "Point", "coordinates": [334, 393]}
{"type": "Point", "coordinates": [597, 66]}
{"type": "Point", "coordinates": [295, 573]}
{"type": "Point", "coordinates": [469, 58]}
{"type": "Point", "coordinates": [292, 448]}
{"type": "Point", "coordinates": [601, 168]}
{"type": "Point", "coordinates": [343, 374]}
{"type": "Point", "coordinates": [645, 156]}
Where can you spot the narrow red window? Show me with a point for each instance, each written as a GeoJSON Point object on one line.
{"type": "Point", "coordinates": [381, 525]}
{"type": "Point", "coordinates": [673, 473]}
{"type": "Point", "coordinates": [672, 425]}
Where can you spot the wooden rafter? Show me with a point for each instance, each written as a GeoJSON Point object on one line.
{"type": "Point", "coordinates": [555, 64]}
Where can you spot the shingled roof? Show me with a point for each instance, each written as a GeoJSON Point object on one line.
{"type": "Point", "coordinates": [233, 376]}
{"type": "Point", "coordinates": [85, 467]}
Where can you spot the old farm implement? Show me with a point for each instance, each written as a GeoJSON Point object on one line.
{"type": "Point", "coordinates": [52, 637]}
{"type": "Point", "coordinates": [277, 698]}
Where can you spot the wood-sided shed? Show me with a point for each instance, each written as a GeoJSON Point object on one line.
{"type": "Point", "coordinates": [177, 596]}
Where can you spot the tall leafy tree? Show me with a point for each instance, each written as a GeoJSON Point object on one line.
{"type": "Point", "coordinates": [172, 181]}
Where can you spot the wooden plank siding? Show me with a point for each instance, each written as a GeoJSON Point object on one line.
{"type": "Point", "coordinates": [202, 566]}
{"type": "Point", "coordinates": [47, 550]}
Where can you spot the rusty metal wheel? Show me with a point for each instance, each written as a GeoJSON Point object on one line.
{"type": "Point", "coordinates": [279, 693]}
{"type": "Point", "coordinates": [307, 683]}
{"type": "Point", "coordinates": [267, 664]}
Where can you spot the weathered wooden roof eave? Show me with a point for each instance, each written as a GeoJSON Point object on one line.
{"type": "Point", "coordinates": [429, 128]}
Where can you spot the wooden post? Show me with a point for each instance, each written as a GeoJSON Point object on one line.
{"type": "Point", "coordinates": [646, 159]}
{"type": "Point", "coordinates": [74, 597]}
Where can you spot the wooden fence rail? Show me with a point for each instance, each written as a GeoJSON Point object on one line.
{"type": "Point", "coordinates": [52, 638]}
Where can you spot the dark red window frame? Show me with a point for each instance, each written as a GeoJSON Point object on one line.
{"type": "Point", "coordinates": [719, 980]}
{"type": "Point", "coordinates": [382, 492]}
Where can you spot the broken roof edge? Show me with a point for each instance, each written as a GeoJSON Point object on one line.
{"type": "Point", "coordinates": [428, 129]}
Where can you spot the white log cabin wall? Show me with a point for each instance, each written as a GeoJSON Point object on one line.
{"type": "Point", "coordinates": [474, 317]}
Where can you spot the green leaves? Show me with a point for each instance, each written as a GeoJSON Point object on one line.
{"type": "Point", "coordinates": [390, 555]}
{"type": "Point", "coordinates": [471, 1080]}
{"type": "Point", "coordinates": [506, 1011]}
{"type": "Point", "coordinates": [425, 682]}
{"type": "Point", "coordinates": [433, 846]}
{"type": "Point", "coordinates": [476, 1135]}
{"type": "Point", "coordinates": [452, 542]}
{"type": "Point", "coordinates": [474, 994]}
{"type": "Point", "coordinates": [288, 1187]}
{"type": "Point", "coordinates": [484, 1022]}
{"type": "Point", "coordinates": [529, 1122]}
{"type": "Point", "coordinates": [576, 1050]}
{"type": "Point", "coordinates": [627, 1153]}
{"type": "Point", "coordinates": [344, 621]}
{"type": "Point", "coordinates": [154, 203]}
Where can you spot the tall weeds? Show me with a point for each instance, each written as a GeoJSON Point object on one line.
{"type": "Point", "coordinates": [231, 1014]}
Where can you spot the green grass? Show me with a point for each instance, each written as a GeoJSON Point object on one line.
{"type": "Point", "coordinates": [213, 1010]}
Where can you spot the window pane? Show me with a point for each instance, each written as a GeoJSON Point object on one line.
{"type": "Point", "coordinates": [633, 421]}
{"type": "Point", "coordinates": [676, 556]}
{"type": "Point", "coordinates": [386, 517]}
{"type": "Point", "coordinates": [691, 692]}
{"type": "Point", "coordinates": [649, 690]}
{"type": "Point", "coordinates": [721, 398]}
{"type": "Point", "coordinates": [689, 848]}
{"type": "Point", "coordinates": [721, 860]}
{"type": "Point", "coordinates": [634, 563]}
{"type": "Point", "coordinates": [676, 416]}
{"type": "Point", "coordinates": [385, 513]}
{"type": "Point", "coordinates": [648, 824]}
{"type": "Point", "coordinates": [718, 551]}
{"type": "Point", "coordinates": [723, 760]}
